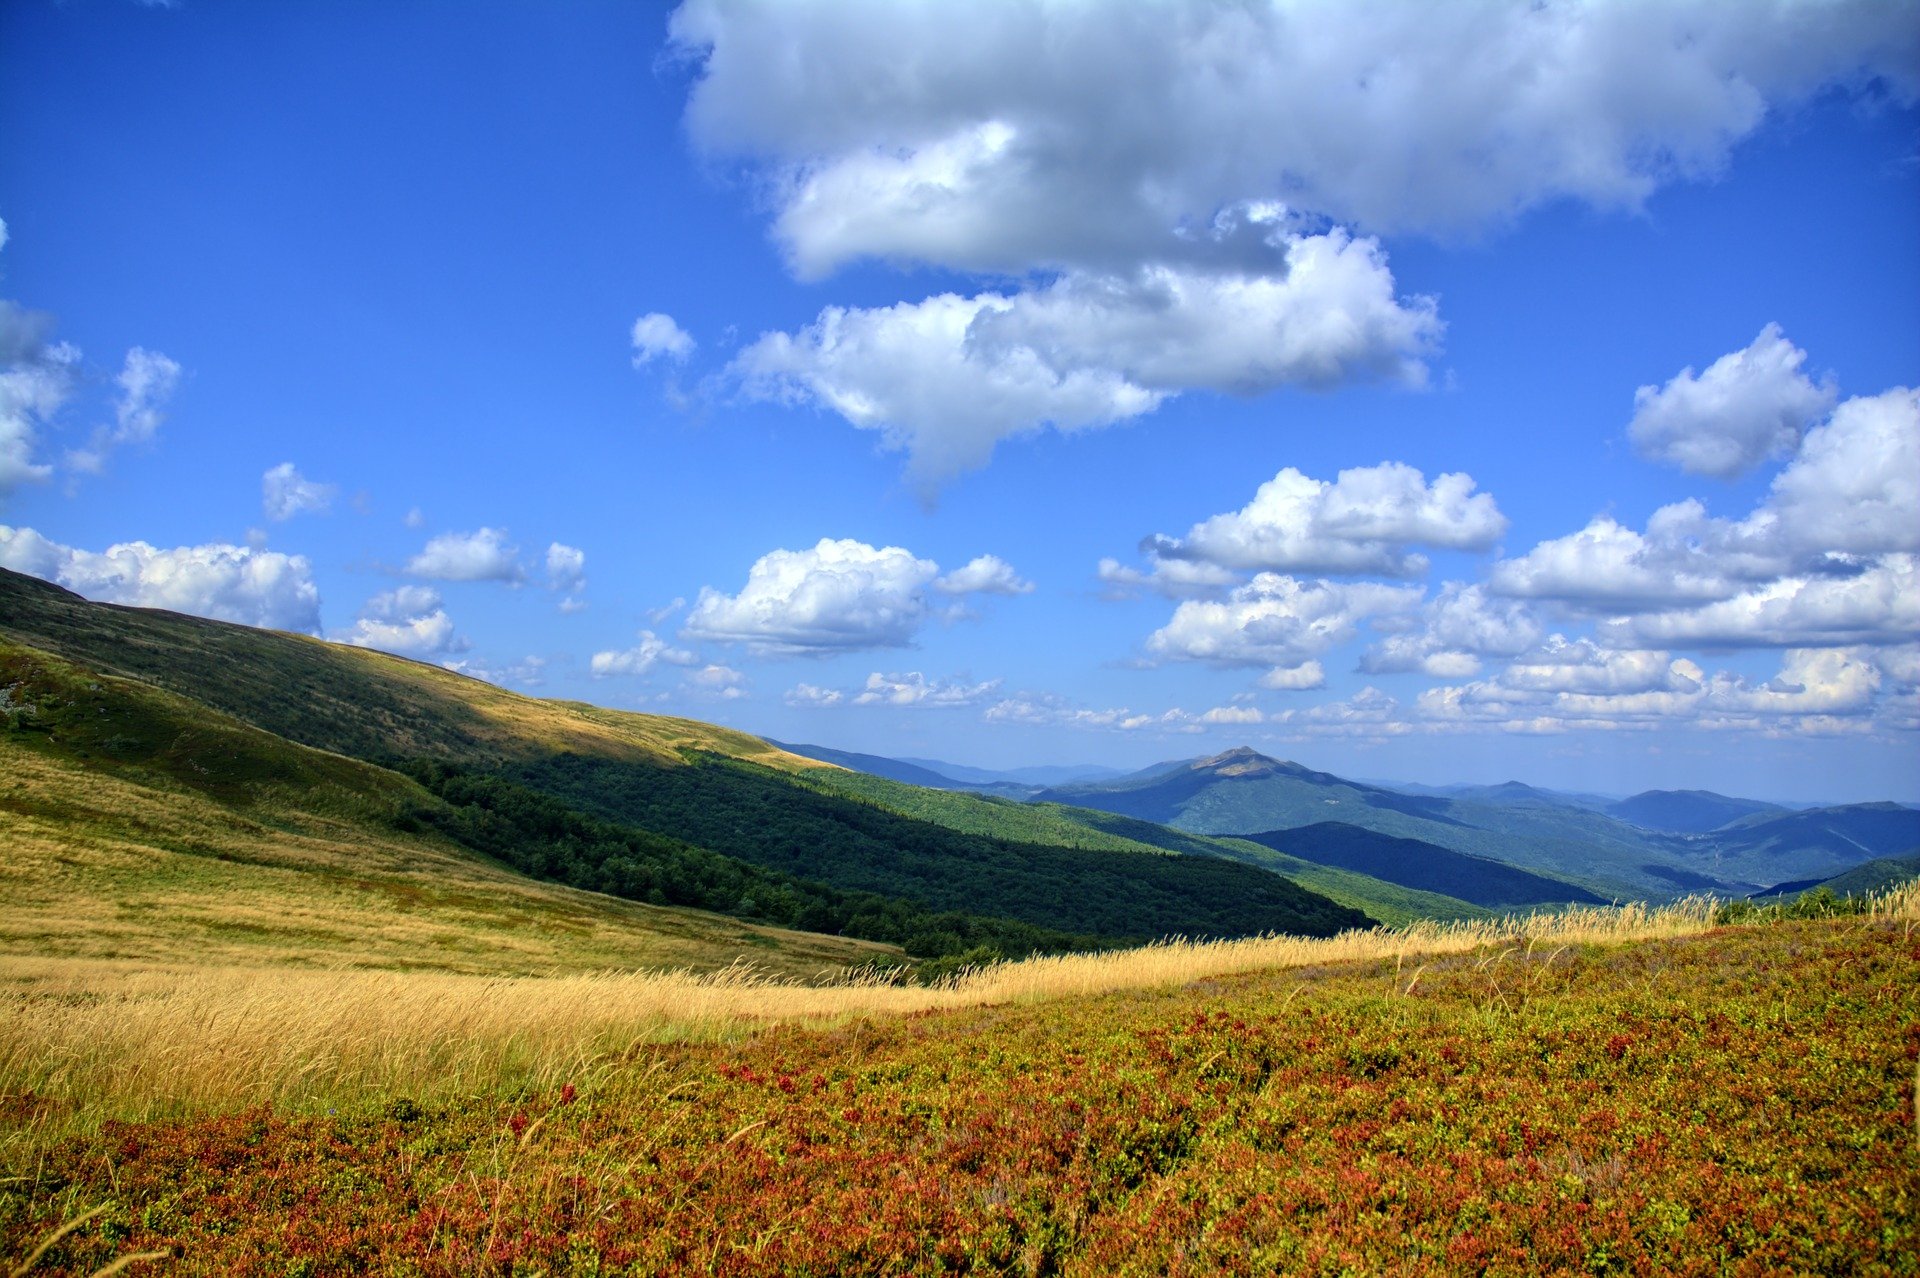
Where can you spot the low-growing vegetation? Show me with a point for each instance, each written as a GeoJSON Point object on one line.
{"type": "Point", "coordinates": [1603, 1092]}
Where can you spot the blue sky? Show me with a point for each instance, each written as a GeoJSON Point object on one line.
{"type": "Point", "coordinates": [1512, 391]}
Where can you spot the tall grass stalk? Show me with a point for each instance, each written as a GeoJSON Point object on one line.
{"type": "Point", "coordinates": [89, 1040]}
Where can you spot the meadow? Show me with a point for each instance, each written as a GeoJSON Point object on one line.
{"type": "Point", "coordinates": [1599, 1091]}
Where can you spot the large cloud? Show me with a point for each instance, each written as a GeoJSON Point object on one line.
{"type": "Point", "coordinates": [652, 650]}
{"type": "Point", "coordinates": [482, 555]}
{"type": "Point", "coordinates": [228, 583]}
{"type": "Point", "coordinates": [410, 619]}
{"type": "Point", "coordinates": [838, 596]}
{"type": "Point", "coordinates": [147, 381]}
{"type": "Point", "coordinates": [1747, 407]}
{"type": "Point", "coordinates": [1365, 521]}
{"type": "Point", "coordinates": [1275, 620]}
{"type": "Point", "coordinates": [1458, 627]}
{"type": "Point", "coordinates": [998, 137]}
{"type": "Point", "coordinates": [285, 492]}
{"type": "Point", "coordinates": [945, 379]}
{"type": "Point", "coordinates": [1819, 541]}
{"type": "Point", "coordinates": [36, 379]}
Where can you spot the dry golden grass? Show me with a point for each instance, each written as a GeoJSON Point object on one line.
{"type": "Point", "coordinates": [91, 1040]}
{"type": "Point", "coordinates": [98, 866]}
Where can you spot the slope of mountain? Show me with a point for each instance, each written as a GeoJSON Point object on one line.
{"type": "Point", "coordinates": [700, 788]}
{"type": "Point", "coordinates": [138, 825]}
{"type": "Point", "coordinates": [1242, 792]}
{"type": "Point", "coordinates": [1870, 876]}
{"type": "Point", "coordinates": [1822, 841]}
{"type": "Point", "coordinates": [1425, 866]}
{"type": "Point", "coordinates": [1687, 811]}
{"type": "Point", "coordinates": [875, 765]}
{"type": "Point", "coordinates": [1042, 775]}
{"type": "Point", "coordinates": [1064, 826]}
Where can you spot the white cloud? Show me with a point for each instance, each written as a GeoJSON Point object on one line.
{"type": "Point", "coordinates": [1304, 677]}
{"type": "Point", "coordinates": [984, 575]}
{"type": "Point", "coordinates": [225, 582]}
{"type": "Point", "coordinates": [1587, 687]}
{"type": "Point", "coordinates": [947, 378]}
{"type": "Point", "coordinates": [1582, 666]}
{"type": "Point", "coordinates": [36, 379]}
{"type": "Point", "coordinates": [809, 696]}
{"type": "Point", "coordinates": [147, 381]}
{"type": "Point", "coordinates": [1045, 709]}
{"type": "Point", "coordinates": [528, 672]}
{"type": "Point", "coordinates": [1047, 133]}
{"type": "Point", "coordinates": [716, 681]}
{"type": "Point", "coordinates": [1174, 578]}
{"type": "Point", "coordinates": [285, 492]}
{"type": "Point", "coordinates": [476, 556]}
{"type": "Point", "coordinates": [1747, 407]}
{"type": "Point", "coordinates": [1457, 628]}
{"type": "Point", "coordinates": [408, 619]}
{"type": "Point", "coordinates": [915, 689]}
{"type": "Point", "coordinates": [642, 657]}
{"type": "Point", "coordinates": [1368, 713]}
{"type": "Point", "coordinates": [1851, 493]}
{"type": "Point", "coordinates": [656, 335]}
{"type": "Point", "coordinates": [1877, 605]}
{"type": "Point", "coordinates": [1363, 522]}
{"type": "Point", "coordinates": [838, 596]}
{"type": "Point", "coordinates": [415, 518]}
{"type": "Point", "coordinates": [1275, 620]}
{"type": "Point", "coordinates": [567, 572]}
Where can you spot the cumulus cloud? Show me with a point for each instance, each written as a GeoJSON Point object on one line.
{"type": "Point", "coordinates": [1275, 620]}
{"type": "Point", "coordinates": [1847, 499]}
{"type": "Point", "coordinates": [1582, 666]}
{"type": "Point", "coordinates": [916, 690]}
{"type": "Point", "coordinates": [838, 596]}
{"type": "Point", "coordinates": [409, 619]}
{"type": "Point", "coordinates": [285, 492]}
{"type": "Point", "coordinates": [1457, 628]}
{"type": "Point", "coordinates": [146, 383]}
{"type": "Point", "coordinates": [1067, 133]}
{"type": "Point", "coordinates": [567, 573]}
{"type": "Point", "coordinates": [984, 575]}
{"type": "Point", "coordinates": [655, 336]}
{"type": "Point", "coordinates": [37, 378]}
{"type": "Point", "coordinates": [1365, 521]}
{"type": "Point", "coordinates": [946, 379]}
{"type": "Point", "coordinates": [807, 696]}
{"type": "Point", "coordinates": [225, 582]}
{"type": "Point", "coordinates": [1748, 407]}
{"type": "Point", "coordinates": [642, 657]}
{"type": "Point", "coordinates": [719, 682]}
{"type": "Point", "coordinates": [1304, 677]}
{"type": "Point", "coordinates": [483, 555]}
{"type": "Point", "coordinates": [1581, 686]}
{"type": "Point", "coordinates": [1876, 605]}
{"type": "Point", "coordinates": [949, 377]}
{"type": "Point", "coordinates": [1045, 709]}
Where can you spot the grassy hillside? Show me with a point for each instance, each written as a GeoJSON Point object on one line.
{"type": "Point", "coordinates": [702, 789]}
{"type": "Point", "coordinates": [1730, 1101]}
{"type": "Point", "coordinates": [1058, 825]}
{"type": "Point", "coordinates": [142, 827]}
{"type": "Point", "coordinates": [1425, 866]}
{"type": "Point", "coordinates": [367, 705]}
{"type": "Point", "coordinates": [1687, 811]}
{"type": "Point", "coordinates": [1242, 792]}
{"type": "Point", "coordinates": [1877, 875]}
{"type": "Point", "coordinates": [762, 816]}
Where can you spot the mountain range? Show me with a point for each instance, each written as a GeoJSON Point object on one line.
{"type": "Point", "coordinates": [241, 785]}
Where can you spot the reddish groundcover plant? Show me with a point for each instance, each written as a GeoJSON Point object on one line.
{"type": "Point", "coordinates": [1739, 1102]}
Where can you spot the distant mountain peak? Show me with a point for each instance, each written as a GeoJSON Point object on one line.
{"type": "Point", "coordinates": [1243, 761]}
